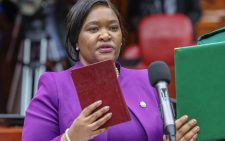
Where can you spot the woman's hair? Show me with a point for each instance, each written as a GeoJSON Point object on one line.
{"type": "Point", "coordinates": [75, 20]}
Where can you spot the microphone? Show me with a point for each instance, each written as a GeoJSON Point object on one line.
{"type": "Point", "coordinates": [159, 77]}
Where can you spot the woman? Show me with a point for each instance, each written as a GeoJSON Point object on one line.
{"type": "Point", "coordinates": [96, 33]}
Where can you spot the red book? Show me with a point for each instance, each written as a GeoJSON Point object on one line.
{"type": "Point", "coordinates": [99, 82]}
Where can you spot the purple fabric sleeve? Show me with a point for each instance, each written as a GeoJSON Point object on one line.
{"type": "Point", "coordinates": [42, 114]}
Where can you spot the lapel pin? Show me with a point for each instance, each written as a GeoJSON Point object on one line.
{"type": "Point", "coordinates": [143, 104]}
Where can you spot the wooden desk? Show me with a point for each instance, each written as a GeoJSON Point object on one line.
{"type": "Point", "coordinates": [10, 133]}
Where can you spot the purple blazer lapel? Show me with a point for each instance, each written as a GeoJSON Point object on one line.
{"type": "Point", "coordinates": [143, 114]}
{"type": "Point", "coordinates": [148, 116]}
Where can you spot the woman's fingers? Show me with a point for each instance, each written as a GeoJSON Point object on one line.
{"type": "Point", "coordinates": [185, 131]}
{"type": "Point", "coordinates": [87, 124]}
{"type": "Point", "coordinates": [95, 125]}
{"type": "Point", "coordinates": [98, 132]}
{"type": "Point", "coordinates": [90, 109]}
{"type": "Point", "coordinates": [179, 122]}
{"type": "Point", "coordinates": [191, 135]}
{"type": "Point", "coordinates": [96, 115]}
{"type": "Point", "coordinates": [185, 128]}
{"type": "Point", "coordinates": [194, 137]}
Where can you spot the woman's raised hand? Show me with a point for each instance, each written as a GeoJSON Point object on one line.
{"type": "Point", "coordinates": [87, 125]}
{"type": "Point", "coordinates": [185, 130]}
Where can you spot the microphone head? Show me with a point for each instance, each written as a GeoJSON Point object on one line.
{"type": "Point", "coordinates": [158, 71]}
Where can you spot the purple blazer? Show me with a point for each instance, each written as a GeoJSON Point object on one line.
{"type": "Point", "coordinates": [56, 105]}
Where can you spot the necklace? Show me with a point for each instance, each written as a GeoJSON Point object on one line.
{"type": "Point", "coordinates": [117, 72]}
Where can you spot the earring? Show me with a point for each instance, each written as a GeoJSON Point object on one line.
{"type": "Point", "coordinates": [77, 49]}
{"type": "Point", "coordinates": [121, 44]}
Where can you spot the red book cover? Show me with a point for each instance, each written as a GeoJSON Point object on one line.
{"type": "Point", "coordinates": [99, 82]}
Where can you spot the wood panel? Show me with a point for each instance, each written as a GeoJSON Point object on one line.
{"type": "Point", "coordinates": [213, 16]}
{"type": "Point", "coordinates": [122, 6]}
{"type": "Point", "coordinates": [10, 133]}
{"type": "Point", "coordinates": [212, 4]}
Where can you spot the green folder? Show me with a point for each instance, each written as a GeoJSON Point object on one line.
{"type": "Point", "coordinates": [200, 87]}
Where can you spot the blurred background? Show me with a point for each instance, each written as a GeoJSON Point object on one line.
{"type": "Point", "coordinates": [32, 40]}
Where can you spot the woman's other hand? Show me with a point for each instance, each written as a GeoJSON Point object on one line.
{"type": "Point", "coordinates": [87, 125]}
{"type": "Point", "coordinates": [185, 130]}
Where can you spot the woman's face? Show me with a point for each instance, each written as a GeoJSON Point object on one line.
{"type": "Point", "coordinates": [100, 37]}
